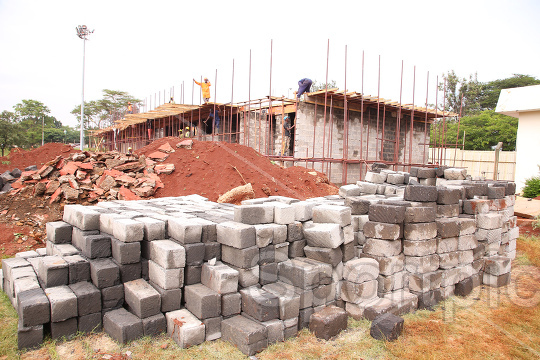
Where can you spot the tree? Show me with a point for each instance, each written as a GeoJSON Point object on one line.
{"type": "Point", "coordinates": [492, 89]}
{"type": "Point", "coordinates": [9, 130]}
{"type": "Point", "coordinates": [32, 116]}
{"type": "Point", "coordinates": [462, 96]}
{"type": "Point", "coordinates": [482, 131]}
{"type": "Point", "coordinates": [316, 86]}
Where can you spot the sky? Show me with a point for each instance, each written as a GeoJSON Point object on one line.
{"type": "Point", "coordinates": [148, 47]}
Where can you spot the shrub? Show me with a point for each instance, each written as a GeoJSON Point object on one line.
{"type": "Point", "coordinates": [532, 187]}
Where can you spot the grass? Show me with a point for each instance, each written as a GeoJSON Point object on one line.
{"type": "Point", "coordinates": [490, 323]}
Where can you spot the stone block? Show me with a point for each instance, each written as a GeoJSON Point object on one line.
{"type": "Point", "coordinates": [386, 213]}
{"type": "Point", "coordinates": [153, 229]}
{"type": "Point", "coordinates": [361, 270]}
{"type": "Point", "coordinates": [212, 328]}
{"type": "Point", "coordinates": [165, 278]}
{"type": "Point", "coordinates": [421, 193]}
{"type": "Point", "coordinates": [489, 221]}
{"type": "Point", "coordinates": [289, 299]}
{"type": "Point", "coordinates": [294, 232]}
{"type": "Point", "coordinates": [29, 337]}
{"type": "Point", "coordinates": [392, 282]}
{"type": "Point", "coordinates": [422, 264]}
{"type": "Point", "coordinates": [497, 265]}
{"type": "Point", "coordinates": [236, 235]}
{"type": "Point", "coordinates": [455, 174]}
{"type": "Point", "coordinates": [427, 300]}
{"type": "Point", "coordinates": [129, 272]}
{"type": "Point", "coordinates": [326, 255]}
{"type": "Point", "coordinates": [324, 235]}
{"type": "Point", "coordinates": [448, 260]}
{"type": "Point", "coordinates": [202, 301]}
{"type": "Point", "coordinates": [212, 250]}
{"type": "Point", "coordinates": [349, 190]}
{"type": "Point", "coordinates": [59, 232]}
{"type": "Point", "coordinates": [467, 242]}
{"type": "Point", "coordinates": [376, 178]}
{"type": "Point", "coordinates": [185, 230]}
{"type": "Point", "coordinates": [77, 237]}
{"type": "Point", "coordinates": [380, 230]}
{"type": "Point", "coordinates": [419, 248]}
{"type": "Point", "coordinates": [104, 273]}
{"type": "Point", "coordinates": [475, 206]}
{"type": "Point", "coordinates": [448, 196]}
{"type": "Point", "coordinates": [247, 335]}
{"type": "Point", "coordinates": [357, 293]}
{"type": "Point", "coordinates": [419, 214]}
{"type": "Point", "coordinates": [63, 329]}
{"type": "Point", "coordinates": [195, 253]}
{"type": "Point", "coordinates": [464, 287]}
{"type": "Point", "coordinates": [420, 231]}
{"type": "Point", "coordinates": [128, 230]}
{"type": "Point", "coordinates": [53, 271]}
{"type": "Point", "coordinates": [448, 211]}
{"type": "Point", "coordinates": [88, 298]}
{"type": "Point", "coordinates": [426, 173]}
{"type": "Point", "coordinates": [268, 255]}
{"type": "Point", "coordinates": [379, 247]}
{"type": "Point", "coordinates": [126, 253]}
{"type": "Point", "coordinates": [448, 227]}
{"type": "Point", "coordinates": [296, 248]}
{"type": "Point", "coordinates": [220, 278]}
{"type": "Point", "coordinates": [82, 217]}
{"type": "Point", "coordinates": [328, 322]}
{"type": "Point", "coordinates": [33, 308]}
{"type": "Point", "coordinates": [349, 251]}
{"type": "Point", "coordinates": [395, 178]}
{"type": "Point", "coordinates": [170, 299]}
{"type": "Point", "coordinates": [303, 210]}
{"type": "Point", "coordinates": [406, 302]}
{"type": "Point", "coordinates": [367, 187]}
{"type": "Point", "coordinates": [168, 254]}
{"type": "Point", "coordinates": [112, 297]}
{"type": "Point", "coordinates": [247, 277]}
{"type": "Point", "coordinates": [231, 304]}
{"type": "Point", "coordinates": [63, 303]}
{"type": "Point", "coordinates": [254, 214]}
{"type": "Point", "coordinates": [466, 257]}
{"type": "Point", "coordinates": [142, 299]}
{"type": "Point", "coordinates": [496, 280]}
{"type": "Point", "coordinates": [154, 325]}
{"type": "Point", "coordinates": [122, 326]}
{"type": "Point", "coordinates": [445, 245]}
{"type": "Point", "coordinates": [264, 235]}
{"type": "Point", "coordinates": [283, 214]}
{"type": "Point", "coordinates": [332, 214]}
{"type": "Point", "coordinates": [388, 265]}
{"type": "Point", "coordinates": [378, 307]}
{"type": "Point", "coordinates": [450, 276]}
{"type": "Point", "coordinates": [495, 192]}
{"type": "Point", "coordinates": [260, 304]}
{"type": "Point", "coordinates": [96, 246]}
{"type": "Point", "coordinates": [425, 282]}
{"type": "Point", "coordinates": [244, 258]}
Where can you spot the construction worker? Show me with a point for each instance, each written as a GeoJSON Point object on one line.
{"type": "Point", "coordinates": [186, 133]}
{"type": "Point", "coordinates": [304, 85]}
{"type": "Point", "coordinates": [205, 86]}
{"type": "Point", "coordinates": [171, 101]}
{"type": "Point", "coordinates": [286, 135]}
{"type": "Point", "coordinates": [130, 151]}
{"type": "Point", "coordinates": [130, 108]}
{"type": "Point", "coordinates": [180, 133]}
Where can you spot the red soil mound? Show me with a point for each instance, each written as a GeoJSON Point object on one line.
{"type": "Point", "coordinates": [19, 158]}
{"type": "Point", "coordinates": [212, 168]}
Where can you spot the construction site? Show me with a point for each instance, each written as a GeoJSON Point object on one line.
{"type": "Point", "coordinates": [209, 229]}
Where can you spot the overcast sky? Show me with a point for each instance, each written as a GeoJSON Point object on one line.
{"type": "Point", "coordinates": [144, 47]}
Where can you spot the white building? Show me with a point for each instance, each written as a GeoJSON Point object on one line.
{"type": "Point", "coordinates": [524, 103]}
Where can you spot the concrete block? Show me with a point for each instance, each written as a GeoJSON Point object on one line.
{"type": "Point", "coordinates": [96, 246]}
{"type": "Point", "coordinates": [220, 278]}
{"type": "Point", "coordinates": [466, 257]}
{"type": "Point", "coordinates": [289, 299]}
{"type": "Point", "coordinates": [195, 253]}
{"type": "Point", "coordinates": [212, 328]}
{"type": "Point", "coordinates": [33, 308]}
{"type": "Point", "coordinates": [359, 204]}
{"type": "Point", "coordinates": [357, 293]}
{"type": "Point", "coordinates": [185, 230]}
{"type": "Point", "coordinates": [386, 213]}
{"type": "Point", "coordinates": [349, 190]}
{"type": "Point", "coordinates": [254, 214]}
{"type": "Point", "coordinates": [129, 272]}
{"type": "Point", "coordinates": [268, 255]}
{"type": "Point", "coordinates": [425, 282]}
{"type": "Point", "coordinates": [61, 249]}
{"type": "Point", "coordinates": [367, 187]}
{"type": "Point", "coordinates": [421, 193]}
{"type": "Point", "coordinates": [59, 232]}
{"type": "Point", "coordinates": [332, 214]}
{"type": "Point", "coordinates": [420, 231]}
{"type": "Point", "coordinates": [212, 250]}
{"type": "Point", "coordinates": [106, 222]}
{"type": "Point", "coordinates": [388, 265]}
{"type": "Point", "coordinates": [165, 278]}
{"type": "Point", "coordinates": [275, 329]}
{"type": "Point", "coordinates": [446, 245]}
{"type": "Point", "coordinates": [244, 258]}
{"type": "Point", "coordinates": [82, 217]}
{"type": "Point", "coordinates": [328, 322]}
{"type": "Point", "coordinates": [170, 299]}
{"type": "Point", "coordinates": [128, 230]}
{"type": "Point", "coordinates": [326, 255]}
{"type": "Point", "coordinates": [303, 210]}
{"type": "Point", "coordinates": [428, 182]}
{"type": "Point", "coordinates": [380, 230]}
{"type": "Point", "coordinates": [419, 248]}
{"type": "Point", "coordinates": [489, 221]}
{"type": "Point", "coordinates": [53, 271]}
{"type": "Point", "coordinates": [168, 254]}
{"type": "Point", "coordinates": [122, 326]}
{"type": "Point", "coordinates": [349, 251]}
{"type": "Point", "coordinates": [64, 329]}
{"type": "Point", "coordinates": [29, 337]}
{"type": "Point", "coordinates": [426, 173]}
{"type": "Point", "coordinates": [299, 273]}
{"type": "Point", "coordinates": [142, 299]}
{"type": "Point", "coordinates": [268, 273]}
{"type": "Point", "coordinates": [264, 235]}
{"type": "Point", "coordinates": [467, 242]}
{"type": "Point", "coordinates": [104, 273]}
{"type": "Point", "coordinates": [154, 325]}
{"type": "Point", "coordinates": [112, 297]}
{"type": "Point", "coordinates": [395, 178]}
{"type": "Point", "coordinates": [283, 214]}
{"type": "Point", "coordinates": [448, 260]}
{"type": "Point", "coordinates": [202, 301]}
{"type": "Point", "coordinates": [379, 247]}
{"type": "Point", "coordinates": [236, 235]}
{"type": "Point", "coordinates": [324, 235]}
{"type": "Point", "coordinates": [377, 178]}
{"type": "Point", "coordinates": [448, 227]}
{"type": "Point", "coordinates": [392, 282]}
{"type": "Point", "coordinates": [77, 237]}
{"type": "Point", "coordinates": [153, 229]}
{"type": "Point", "coordinates": [448, 196]}
{"type": "Point", "coordinates": [126, 253]}
{"type": "Point", "coordinates": [475, 206]}
{"type": "Point", "coordinates": [247, 277]}
{"type": "Point", "coordinates": [361, 270]}
{"type": "Point", "coordinates": [88, 298]}
{"type": "Point", "coordinates": [497, 265]}
{"type": "Point", "coordinates": [455, 174]}
{"type": "Point", "coordinates": [419, 214]}
{"type": "Point", "coordinates": [294, 232]}
{"type": "Point", "coordinates": [231, 304]}
{"type": "Point", "coordinates": [496, 280]}
{"type": "Point", "coordinates": [378, 307]}
{"type": "Point", "coordinates": [406, 301]}
{"type": "Point", "coordinates": [495, 192]}
{"type": "Point", "coordinates": [427, 300]}
{"type": "Point", "coordinates": [247, 335]}
{"type": "Point", "coordinates": [260, 304]}
{"type": "Point", "coordinates": [63, 303]}
{"type": "Point", "coordinates": [20, 285]}
{"type": "Point", "coordinates": [422, 264]}
{"type": "Point", "coordinates": [296, 248]}
{"type": "Point", "coordinates": [448, 211]}
{"type": "Point", "coordinates": [450, 277]}
{"type": "Point", "coordinates": [464, 287]}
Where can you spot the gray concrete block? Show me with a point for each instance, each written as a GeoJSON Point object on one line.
{"type": "Point", "coordinates": [326, 255]}
{"type": "Point", "coordinates": [349, 190]}
{"type": "Point", "coordinates": [212, 250]}
{"type": "Point", "coordinates": [165, 278]}
{"type": "Point", "coordinates": [202, 301]}
{"type": "Point", "coordinates": [448, 211]}
{"type": "Point", "coordinates": [357, 293]}
{"type": "Point", "coordinates": [82, 217]}
{"type": "Point", "coordinates": [475, 206]}
{"type": "Point", "coordinates": [449, 227]}
{"type": "Point", "coordinates": [289, 300]}
{"type": "Point", "coordinates": [29, 337]}
{"type": "Point", "coordinates": [448, 196]}
{"type": "Point", "coordinates": [361, 270]}
{"type": "Point", "coordinates": [426, 173]}
{"type": "Point", "coordinates": [254, 214]}
{"type": "Point", "coordinates": [268, 273]}
{"type": "Point", "coordinates": [496, 280]}
{"type": "Point", "coordinates": [170, 299]}
{"type": "Point", "coordinates": [380, 247]}
{"type": "Point", "coordinates": [122, 326]}
{"type": "Point", "coordinates": [104, 273]}
{"type": "Point", "coordinates": [153, 229]}
{"type": "Point", "coordinates": [212, 328]}
{"type": "Point", "coordinates": [419, 248]}
{"type": "Point", "coordinates": [304, 317]}
{"type": "Point", "coordinates": [106, 222]}
{"type": "Point", "coordinates": [88, 298]}
{"type": "Point", "coordinates": [388, 265]}
{"type": "Point", "coordinates": [392, 282]}
{"type": "Point", "coordinates": [303, 210]}
{"type": "Point", "coordinates": [419, 214]}
{"type": "Point", "coordinates": [332, 214]}
{"type": "Point", "coordinates": [260, 304]}
{"type": "Point", "coordinates": [421, 193]}
{"type": "Point", "coordinates": [497, 265]}
{"type": "Point", "coordinates": [154, 325]}
{"type": "Point", "coordinates": [59, 232]}
{"type": "Point", "coordinates": [129, 272]}
{"type": "Point", "coordinates": [380, 230]}
{"type": "Point", "coordinates": [386, 213]}
{"type": "Point", "coordinates": [168, 254]}
{"type": "Point", "coordinates": [142, 299]}
{"type": "Point", "coordinates": [248, 336]}
{"type": "Point", "coordinates": [33, 308]}
{"type": "Point", "coordinates": [243, 258]}
{"type": "Point", "coordinates": [367, 187]}
{"type": "Point", "coordinates": [425, 282]}
{"type": "Point", "coordinates": [126, 253]}
{"type": "Point", "coordinates": [328, 322]}
{"type": "Point", "coordinates": [53, 271]}
{"type": "Point", "coordinates": [185, 329]}
{"type": "Point", "coordinates": [422, 264]}
{"type": "Point", "coordinates": [294, 232]}
{"type": "Point", "coordinates": [247, 277]}
{"type": "Point", "coordinates": [236, 235]}
{"type": "Point", "coordinates": [489, 221]}
{"type": "Point", "coordinates": [467, 242]}
{"type": "Point", "coordinates": [296, 248]}
{"type": "Point", "coordinates": [96, 246]}
{"type": "Point", "coordinates": [264, 235]}
{"type": "Point", "coordinates": [324, 235]}
{"type": "Point", "coordinates": [283, 213]}
{"type": "Point", "coordinates": [359, 204]}
{"type": "Point", "coordinates": [128, 230]}
{"type": "Point", "coordinates": [267, 255]}
{"type": "Point", "coordinates": [63, 303]}
{"type": "Point", "coordinates": [194, 253]}
{"type": "Point", "coordinates": [64, 329]}
{"type": "Point", "coordinates": [375, 178]}
{"type": "Point", "coordinates": [61, 249]}
{"type": "Point", "coordinates": [112, 297]}
{"type": "Point", "coordinates": [299, 273]}
{"type": "Point", "coordinates": [78, 235]}
{"type": "Point", "coordinates": [231, 304]}
{"type": "Point", "coordinates": [220, 278]}
{"type": "Point", "coordinates": [495, 192]}
{"type": "Point", "coordinates": [420, 231]}
{"type": "Point", "coordinates": [349, 251]}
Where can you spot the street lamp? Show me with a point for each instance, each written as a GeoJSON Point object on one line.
{"type": "Point", "coordinates": [83, 32]}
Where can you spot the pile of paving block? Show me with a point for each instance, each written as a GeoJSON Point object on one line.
{"type": "Point", "coordinates": [257, 273]}
{"type": "Point", "coordinates": [87, 176]}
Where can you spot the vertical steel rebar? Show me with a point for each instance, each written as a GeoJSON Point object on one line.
{"type": "Point", "coordinates": [378, 109]}
{"type": "Point", "coordinates": [426, 120]}
{"type": "Point", "coordinates": [412, 119]}
{"type": "Point", "coordinates": [325, 103]}
{"type": "Point", "coordinates": [362, 120]}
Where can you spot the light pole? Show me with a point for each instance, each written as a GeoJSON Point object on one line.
{"type": "Point", "coordinates": [83, 32]}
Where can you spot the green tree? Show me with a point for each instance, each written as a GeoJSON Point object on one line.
{"type": "Point", "coordinates": [9, 131]}
{"type": "Point", "coordinates": [462, 95]}
{"type": "Point", "coordinates": [492, 89]}
{"type": "Point", "coordinates": [482, 131]}
{"type": "Point", "coordinates": [32, 116]}
{"type": "Point", "coordinates": [316, 86]}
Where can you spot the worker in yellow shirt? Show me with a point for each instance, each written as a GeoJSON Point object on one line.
{"type": "Point", "coordinates": [205, 86]}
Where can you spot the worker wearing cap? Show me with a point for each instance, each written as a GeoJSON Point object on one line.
{"type": "Point", "coordinates": [186, 133]}
{"type": "Point", "coordinates": [286, 135]}
{"type": "Point", "coordinates": [205, 86]}
{"type": "Point", "coordinates": [130, 151]}
{"type": "Point", "coordinates": [130, 108]}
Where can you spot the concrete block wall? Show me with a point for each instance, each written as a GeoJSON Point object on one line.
{"type": "Point", "coordinates": [254, 274]}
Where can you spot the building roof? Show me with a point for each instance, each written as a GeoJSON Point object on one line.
{"type": "Point", "coordinates": [522, 99]}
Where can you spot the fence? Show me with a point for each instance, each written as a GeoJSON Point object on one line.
{"type": "Point", "coordinates": [478, 163]}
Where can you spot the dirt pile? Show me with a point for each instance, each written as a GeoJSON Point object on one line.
{"type": "Point", "coordinates": [20, 159]}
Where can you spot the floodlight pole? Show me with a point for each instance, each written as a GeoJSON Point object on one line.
{"type": "Point", "coordinates": [83, 32]}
